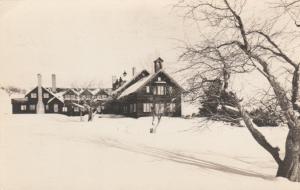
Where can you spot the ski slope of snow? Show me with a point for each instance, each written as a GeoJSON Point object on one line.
{"type": "Point", "coordinates": [56, 152]}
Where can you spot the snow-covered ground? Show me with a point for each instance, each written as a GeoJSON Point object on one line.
{"type": "Point", "coordinates": [56, 152]}
{"type": "Point", "coordinates": [52, 152]}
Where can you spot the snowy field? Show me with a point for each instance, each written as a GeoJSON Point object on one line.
{"type": "Point", "coordinates": [56, 152]}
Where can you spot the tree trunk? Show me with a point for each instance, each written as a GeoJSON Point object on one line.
{"type": "Point", "coordinates": [290, 167]}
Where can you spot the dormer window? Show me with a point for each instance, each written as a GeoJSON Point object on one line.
{"type": "Point", "coordinates": [33, 95]}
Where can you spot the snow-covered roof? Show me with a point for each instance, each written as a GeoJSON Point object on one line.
{"type": "Point", "coordinates": [121, 88]}
{"type": "Point", "coordinates": [71, 89]}
{"type": "Point", "coordinates": [20, 99]}
{"type": "Point", "coordinates": [142, 82]}
{"type": "Point", "coordinates": [95, 91]}
{"type": "Point", "coordinates": [58, 95]}
{"type": "Point", "coordinates": [134, 87]}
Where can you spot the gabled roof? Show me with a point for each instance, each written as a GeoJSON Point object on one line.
{"type": "Point", "coordinates": [86, 90]}
{"type": "Point", "coordinates": [58, 96]}
{"type": "Point", "coordinates": [55, 95]}
{"type": "Point", "coordinates": [72, 90]}
{"type": "Point", "coordinates": [130, 81]}
{"type": "Point", "coordinates": [142, 82]}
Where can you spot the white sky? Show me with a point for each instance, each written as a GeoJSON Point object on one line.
{"type": "Point", "coordinates": [83, 40]}
{"type": "Point", "coordinates": [87, 40]}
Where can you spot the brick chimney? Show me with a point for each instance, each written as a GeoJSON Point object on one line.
{"type": "Point", "coordinates": [158, 64]}
{"type": "Point", "coordinates": [53, 76]}
{"type": "Point", "coordinates": [40, 109]}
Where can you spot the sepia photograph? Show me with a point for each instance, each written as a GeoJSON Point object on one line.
{"type": "Point", "coordinates": [149, 94]}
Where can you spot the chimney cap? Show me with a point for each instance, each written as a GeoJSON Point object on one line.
{"type": "Point", "coordinates": [158, 60]}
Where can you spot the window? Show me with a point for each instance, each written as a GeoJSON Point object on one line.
{"type": "Point", "coordinates": [172, 107]}
{"type": "Point", "coordinates": [132, 108]}
{"type": "Point", "coordinates": [65, 109]}
{"type": "Point", "coordinates": [33, 95]}
{"type": "Point", "coordinates": [72, 97]}
{"type": "Point", "coordinates": [32, 107]}
{"type": "Point", "coordinates": [125, 109]}
{"type": "Point", "coordinates": [23, 107]}
{"type": "Point", "coordinates": [159, 108]}
{"type": "Point", "coordinates": [76, 109]}
{"type": "Point", "coordinates": [67, 97]}
{"type": "Point", "coordinates": [170, 90]}
{"type": "Point", "coordinates": [46, 95]}
{"type": "Point", "coordinates": [55, 108]}
{"type": "Point", "coordinates": [147, 89]}
{"type": "Point", "coordinates": [159, 90]}
{"type": "Point", "coordinates": [158, 78]}
{"type": "Point", "coordinates": [147, 107]}
{"type": "Point", "coordinates": [83, 97]}
{"type": "Point", "coordinates": [47, 107]}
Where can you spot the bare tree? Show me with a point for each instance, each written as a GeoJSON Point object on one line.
{"type": "Point", "coordinates": [159, 109]}
{"type": "Point", "coordinates": [291, 8]}
{"type": "Point", "coordinates": [86, 104]}
{"type": "Point", "coordinates": [210, 84]}
{"type": "Point", "coordinates": [258, 42]}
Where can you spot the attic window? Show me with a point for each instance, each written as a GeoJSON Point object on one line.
{"type": "Point", "coordinates": [158, 78]}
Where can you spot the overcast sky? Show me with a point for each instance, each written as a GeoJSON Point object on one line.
{"type": "Point", "coordinates": [87, 40]}
{"type": "Point", "coordinates": [83, 40]}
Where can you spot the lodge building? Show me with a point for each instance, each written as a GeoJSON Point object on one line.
{"type": "Point", "coordinates": [141, 95]}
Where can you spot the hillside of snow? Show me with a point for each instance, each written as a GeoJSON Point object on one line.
{"type": "Point", "coordinates": [56, 152]}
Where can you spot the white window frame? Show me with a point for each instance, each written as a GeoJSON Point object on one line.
{"type": "Point", "coordinates": [147, 107]}
{"type": "Point", "coordinates": [23, 107]}
{"type": "Point", "coordinates": [33, 95]}
{"type": "Point", "coordinates": [147, 89]}
{"type": "Point", "coordinates": [160, 90]}
{"type": "Point", "coordinates": [65, 109]}
{"type": "Point", "coordinates": [55, 108]}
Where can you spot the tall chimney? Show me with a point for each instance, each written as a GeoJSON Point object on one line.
{"type": "Point", "coordinates": [40, 109]}
{"type": "Point", "coordinates": [133, 71]}
{"type": "Point", "coordinates": [158, 64]}
{"type": "Point", "coordinates": [53, 83]}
